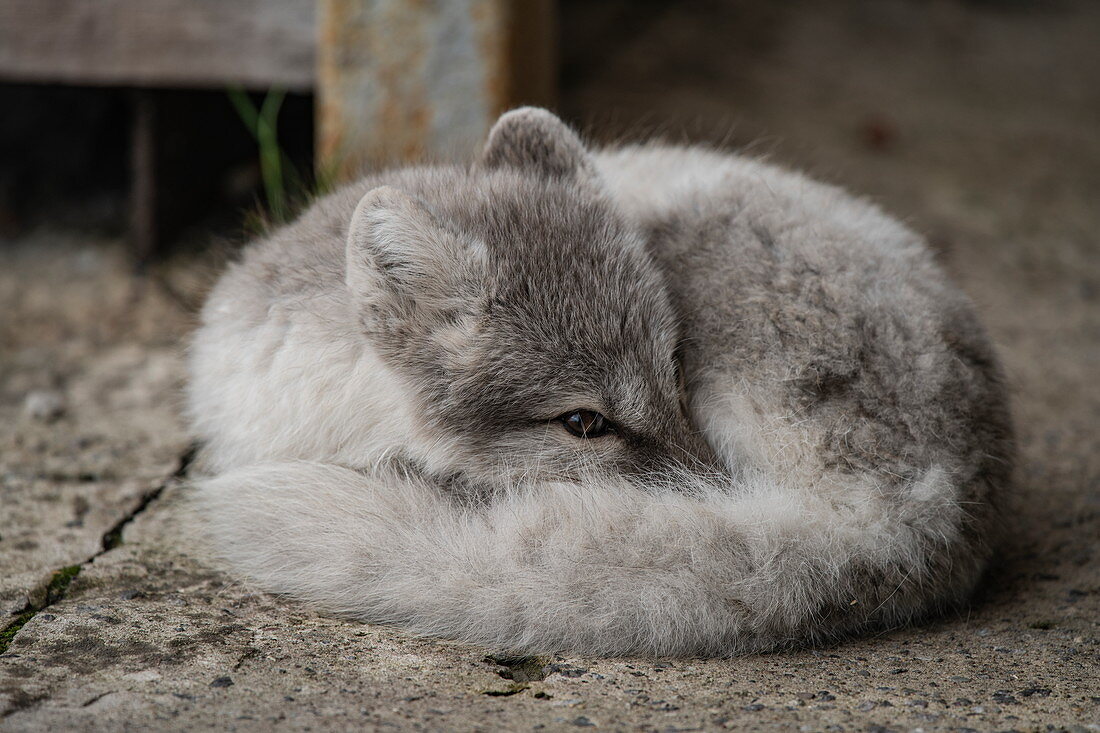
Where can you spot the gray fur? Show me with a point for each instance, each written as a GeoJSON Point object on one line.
{"type": "Point", "coordinates": [814, 437]}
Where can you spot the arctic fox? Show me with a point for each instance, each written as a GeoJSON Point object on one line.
{"type": "Point", "coordinates": [642, 400]}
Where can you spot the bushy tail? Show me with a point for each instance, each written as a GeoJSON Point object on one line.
{"type": "Point", "coordinates": [600, 569]}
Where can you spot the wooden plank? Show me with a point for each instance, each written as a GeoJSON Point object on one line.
{"type": "Point", "coordinates": [401, 81]}
{"type": "Point", "coordinates": [183, 43]}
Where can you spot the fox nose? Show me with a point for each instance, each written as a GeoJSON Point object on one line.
{"type": "Point", "coordinates": [694, 448]}
{"type": "Point", "coordinates": [690, 449]}
{"type": "Point", "coordinates": [682, 447]}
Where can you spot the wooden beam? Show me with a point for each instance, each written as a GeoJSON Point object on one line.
{"type": "Point", "coordinates": [161, 43]}
{"type": "Point", "coordinates": [401, 81]}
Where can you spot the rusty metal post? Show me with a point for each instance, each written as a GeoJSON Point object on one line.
{"type": "Point", "coordinates": [404, 80]}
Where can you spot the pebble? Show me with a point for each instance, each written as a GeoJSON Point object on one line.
{"type": "Point", "coordinates": [44, 404]}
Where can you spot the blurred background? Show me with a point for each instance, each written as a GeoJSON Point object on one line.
{"type": "Point", "coordinates": [143, 117]}
{"type": "Point", "coordinates": [143, 142]}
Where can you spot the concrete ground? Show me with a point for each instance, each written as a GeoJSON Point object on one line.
{"type": "Point", "coordinates": [977, 123]}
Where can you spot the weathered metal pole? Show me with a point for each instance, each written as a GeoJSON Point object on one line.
{"type": "Point", "coordinates": [405, 80]}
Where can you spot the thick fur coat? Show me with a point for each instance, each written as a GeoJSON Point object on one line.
{"type": "Point", "coordinates": [807, 433]}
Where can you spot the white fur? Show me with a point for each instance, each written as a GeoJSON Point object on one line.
{"type": "Point", "coordinates": [604, 568]}
{"type": "Point", "coordinates": [296, 386]}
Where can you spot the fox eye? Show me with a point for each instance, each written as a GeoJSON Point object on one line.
{"type": "Point", "coordinates": [585, 423]}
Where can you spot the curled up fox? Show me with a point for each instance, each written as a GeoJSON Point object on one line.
{"type": "Point", "coordinates": [638, 400]}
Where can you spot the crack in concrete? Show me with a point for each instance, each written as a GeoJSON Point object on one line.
{"type": "Point", "coordinates": [112, 538]}
{"type": "Point", "coordinates": [58, 585]}
{"type": "Point", "coordinates": [520, 668]}
{"type": "Point", "coordinates": [22, 701]}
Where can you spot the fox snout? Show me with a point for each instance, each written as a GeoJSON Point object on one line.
{"type": "Point", "coordinates": [680, 449]}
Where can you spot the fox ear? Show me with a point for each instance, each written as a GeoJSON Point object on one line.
{"type": "Point", "coordinates": [403, 267]}
{"type": "Point", "coordinates": [533, 138]}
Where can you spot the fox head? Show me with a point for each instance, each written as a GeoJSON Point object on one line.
{"type": "Point", "coordinates": [526, 315]}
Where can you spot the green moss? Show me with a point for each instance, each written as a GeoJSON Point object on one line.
{"type": "Point", "coordinates": [55, 591]}
{"type": "Point", "coordinates": [12, 629]}
{"type": "Point", "coordinates": [1043, 625]}
{"type": "Point", "coordinates": [59, 583]}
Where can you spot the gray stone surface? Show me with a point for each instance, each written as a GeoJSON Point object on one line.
{"type": "Point", "coordinates": [978, 124]}
{"type": "Point", "coordinates": [79, 332]}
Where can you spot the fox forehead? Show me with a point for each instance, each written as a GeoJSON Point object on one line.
{"type": "Point", "coordinates": [572, 311]}
{"type": "Point", "coordinates": [562, 271]}
{"type": "Point", "coordinates": [531, 220]}
{"type": "Point", "coordinates": [566, 278]}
